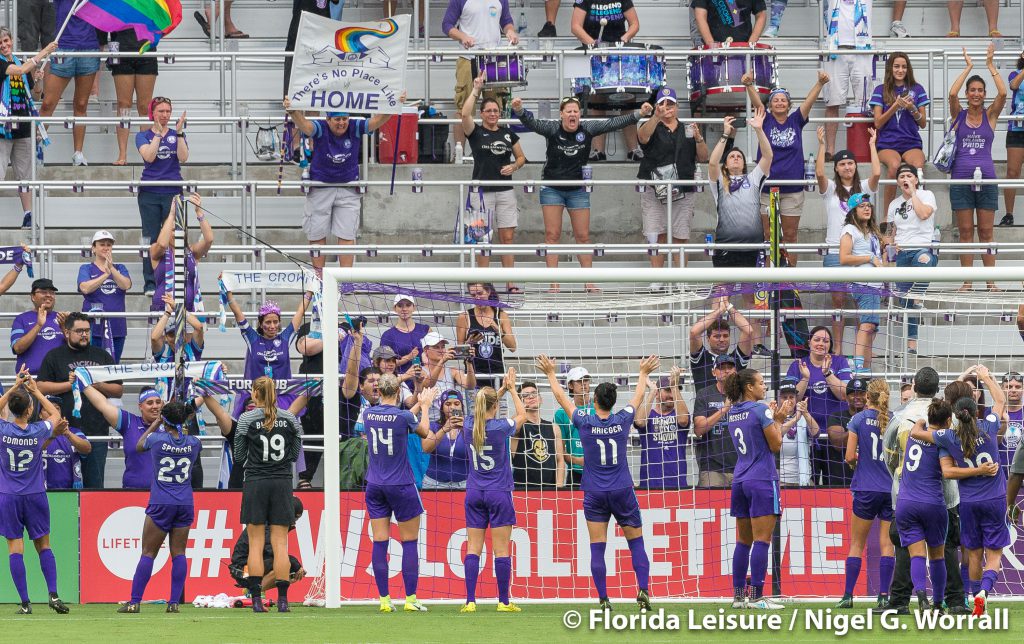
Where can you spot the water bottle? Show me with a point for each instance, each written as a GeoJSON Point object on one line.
{"type": "Point", "coordinates": [809, 173]}
{"type": "Point", "coordinates": [305, 178]}
{"type": "Point", "coordinates": [521, 26]}
{"type": "Point", "coordinates": [708, 240]}
{"type": "Point", "coordinates": [976, 186]}
{"type": "Point", "coordinates": [698, 176]}
{"type": "Point", "coordinates": [459, 153]}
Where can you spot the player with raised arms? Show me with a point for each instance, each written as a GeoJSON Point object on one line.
{"type": "Point", "coordinates": [969, 454]}
{"type": "Point", "coordinates": [607, 482]}
{"type": "Point", "coordinates": [872, 491]}
{"type": "Point", "coordinates": [489, 489]}
{"type": "Point", "coordinates": [391, 486]}
{"type": "Point", "coordinates": [756, 432]}
{"type": "Point", "coordinates": [268, 441]}
{"type": "Point", "coordinates": [170, 511]}
{"type": "Point", "coordinates": [23, 502]}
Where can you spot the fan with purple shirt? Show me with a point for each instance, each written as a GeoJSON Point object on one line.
{"type": "Point", "coordinates": [35, 332]}
{"type": "Point", "coordinates": [172, 455]}
{"type": "Point", "coordinates": [23, 503]}
{"type": "Point", "coordinates": [1010, 440]}
{"type": "Point", "coordinates": [103, 285]}
{"type": "Point", "coordinates": [138, 467]}
{"type": "Point", "coordinates": [755, 429]}
{"type": "Point", "coordinates": [62, 462]}
{"type": "Point", "coordinates": [662, 422]}
{"type": "Point", "coordinates": [607, 482]}
{"type": "Point", "coordinates": [489, 489]}
{"type": "Point", "coordinates": [391, 487]}
{"type": "Point", "coordinates": [161, 258]}
{"type": "Point", "coordinates": [405, 335]}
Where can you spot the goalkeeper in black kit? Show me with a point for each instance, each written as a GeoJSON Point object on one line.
{"type": "Point", "coordinates": [240, 557]}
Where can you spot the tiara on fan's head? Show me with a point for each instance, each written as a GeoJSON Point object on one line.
{"type": "Point", "coordinates": [270, 306]}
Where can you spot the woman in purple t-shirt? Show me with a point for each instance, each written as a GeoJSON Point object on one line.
{"type": "Point", "coordinates": [104, 285]}
{"type": "Point", "coordinates": [785, 134]}
{"type": "Point", "coordinates": [194, 254]}
{"type": "Point", "coordinates": [975, 134]}
{"type": "Point", "coordinates": [405, 334]}
{"type": "Point", "coordinates": [899, 106]}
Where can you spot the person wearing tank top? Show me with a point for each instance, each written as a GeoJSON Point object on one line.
{"type": "Point", "coordinates": [488, 328]}
{"type": "Point", "coordinates": [975, 135]}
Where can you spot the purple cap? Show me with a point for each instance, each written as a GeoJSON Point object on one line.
{"type": "Point", "coordinates": [666, 94]}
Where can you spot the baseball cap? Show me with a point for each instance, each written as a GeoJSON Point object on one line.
{"type": "Point", "coordinates": [432, 339]}
{"type": "Point", "coordinates": [102, 234]}
{"type": "Point", "coordinates": [576, 373]}
{"type": "Point", "coordinates": [787, 384]}
{"type": "Point", "coordinates": [43, 284]}
{"type": "Point", "coordinates": [725, 358]}
{"type": "Point", "coordinates": [856, 384]}
{"type": "Point", "coordinates": [857, 199]}
{"type": "Point", "coordinates": [383, 353]}
{"type": "Point", "coordinates": [842, 155]}
{"type": "Point", "coordinates": [906, 167]}
{"type": "Point", "coordinates": [402, 297]}
{"type": "Point", "coordinates": [666, 94]}
{"type": "Point", "coordinates": [449, 395]}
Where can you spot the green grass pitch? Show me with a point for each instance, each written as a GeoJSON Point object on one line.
{"type": "Point", "coordinates": [538, 623]}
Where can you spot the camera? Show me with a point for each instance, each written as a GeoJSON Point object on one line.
{"type": "Point", "coordinates": [353, 325]}
{"type": "Point", "coordinates": [462, 351]}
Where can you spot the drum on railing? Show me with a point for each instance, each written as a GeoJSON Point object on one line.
{"type": "Point", "coordinates": [501, 70]}
{"type": "Point", "coordinates": [714, 81]}
{"type": "Point", "coordinates": [623, 72]}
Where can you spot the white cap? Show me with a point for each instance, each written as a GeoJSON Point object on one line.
{"type": "Point", "coordinates": [576, 373]}
{"type": "Point", "coordinates": [431, 339]}
{"type": "Point", "coordinates": [102, 234]}
{"type": "Point", "coordinates": [401, 296]}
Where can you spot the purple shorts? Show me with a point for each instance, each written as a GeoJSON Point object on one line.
{"type": "Point", "coordinates": [983, 524]}
{"type": "Point", "coordinates": [601, 505]}
{"type": "Point", "coordinates": [916, 521]}
{"type": "Point", "coordinates": [873, 505]}
{"type": "Point", "coordinates": [489, 508]}
{"type": "Point", "coordinates": [401, 500]}
{"type": "Point", "coordinates": [21, 512]}
{"type": "Point", "coordinates": [754, 499]}
{"type": "Point", "coordinates": [167, 516]}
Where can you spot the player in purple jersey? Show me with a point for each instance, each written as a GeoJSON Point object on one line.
{"type": "Point", "coordinates": [756, 432]}
{"type": "Point", "coordinates": [607, 482]}
{"type": "Point", "coordinates": [921, 518]}
{"type": "Point", "coordinates": [391, 486]}
{"type": "Point", "coordinates": [23, 503]}
{"type": "Point", "coordinates": [138, 467]}
{"type": "Point", "coordinates": [872, 491]}
{"type": "Point", "coordinates": [968, 453]}
{"type": "Point", "coordinates": [173, 453]}
{"type": "Point", "coordinates": [489, 489]}
{"type": "Point", "coordinates": [662, 421]}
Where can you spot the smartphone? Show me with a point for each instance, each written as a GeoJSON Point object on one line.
{"type": "Point", "coordinates": [461, 351]}
{"type": "Point", "coordinates": [740, 122]}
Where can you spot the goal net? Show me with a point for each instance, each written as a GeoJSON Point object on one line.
{"type": "Point", "coordinates": [679, 460]}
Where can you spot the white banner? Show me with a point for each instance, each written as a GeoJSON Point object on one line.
{"type": "Point", "coordinates": [287, 280]}
{"type": "Point", "coordinates": [349, 66]}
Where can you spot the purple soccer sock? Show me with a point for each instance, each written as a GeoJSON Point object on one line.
{"type": "Point", "coordinates": [852, 573]}
{"type": "Point", "coordinates": [975, 586]}
{"type": "Point", "coordinates": [641, 564]}
{"type": "Point", "coordinates": [598, 570]}
{"type": "Point", "coordinates": [143, 571]}
{"type": "Point", "coordinates": [410, 565]}
{"type": "Point", "coordinates": [988, 580]}
{"type": "Point", "coordinates": [937, 569]}
{"type": "Point", "coordinates": [179, 568]}
{"type": "Point", "coordinates": [965, 577]}
{"type": "Point", "coordinates": [17, 563]}
{"type": "Point", "coordinates": [740, 563]}
{"type": "Point", "coordinates": [472, 564]}
{"type": "Point", "coordinates": [918, 573]}
{"type": "Point", "coordinates": [48, 564]}
{"type": "Point", "coordinates": [758, 566]}
{"type": "Point", "coordinates": [503, 571]}
{"type": "Point", "coordinates": [379, 561]}
{"type": "Point", "coordinates": [886, 567]}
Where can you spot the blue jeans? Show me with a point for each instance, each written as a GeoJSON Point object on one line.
{"type": "Point", "coordinates": [93, 465]}
{"type": "Point", "coordinates": [922, 257]}
{"type": "Point", "coordinates": [153, 209]}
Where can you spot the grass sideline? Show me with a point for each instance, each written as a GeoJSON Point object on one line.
{"type": "Point", "coordinates": [444, 623]}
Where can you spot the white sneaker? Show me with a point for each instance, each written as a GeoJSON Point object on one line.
{"type": "Point", "coordinates": [657, 287]}
{"type": "Point", "coordinates": [764, 604]}
{"type": "Point", "coordinates": [739, 603]}
{"type": "Point", "coordinates": [78, 159]}
{"type": "Point", "coordinates": [770, 32]}
{"type": "Point", "coordinates": [898, 30]}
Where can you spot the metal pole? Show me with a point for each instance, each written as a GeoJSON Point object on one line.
{"type": "Point", "coordinates": [332, 460]}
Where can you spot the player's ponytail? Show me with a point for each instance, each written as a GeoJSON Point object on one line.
{"type": "Point", "coordinates": [264, 394]}
{"type": "Point", "coordinates": [486, 400]}
{"type": "Point", "coordinates": [176, 414]}
{"type": "Point", "coordinates": [878, 398]}
{"type": "Point", "coordinates": [966, 411]}
{"type": "Point", "coordinates": [735, 385]}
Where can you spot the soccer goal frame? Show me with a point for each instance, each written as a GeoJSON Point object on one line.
{"type": "Point", "coordinates": [332, 277]}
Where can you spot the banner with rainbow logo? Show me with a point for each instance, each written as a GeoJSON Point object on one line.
{"type": "Point", "coordinates": [349, 66]}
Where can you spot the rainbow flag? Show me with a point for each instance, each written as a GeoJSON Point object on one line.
{"type": "Point", "coordinates": [151, 19]}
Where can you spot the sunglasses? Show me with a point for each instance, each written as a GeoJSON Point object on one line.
{"type": "Point", "coordinates": [1013, 376]}
{"type": "Point", "coordinates": [567, 100]}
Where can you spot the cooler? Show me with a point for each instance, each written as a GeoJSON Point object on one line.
{"type": "Point", "coordinates": [857, 138]}
{"type": "Point", "coordinates": [406, 136]}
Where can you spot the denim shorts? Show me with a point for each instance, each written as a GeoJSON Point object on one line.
{"type": "Point", "coordinates": [577, 199]}
{"type": "Point", "coordinates": [72, 67]}
{"type": "Point", "coordinates": [965, 198]}
{"type": "Point", "coordinates": [830, 260]}
{"type": "Point", "coordinates": [868, 301]}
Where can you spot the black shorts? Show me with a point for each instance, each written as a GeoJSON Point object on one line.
{"type": "Point", "coordinates": [735, 258]}
{"type": "Point", "coordinates": [134, 66]}
{"type": "Point", "coordinates": [1015, 139]}
{"type": "Point", "coordinates": [267, 501]}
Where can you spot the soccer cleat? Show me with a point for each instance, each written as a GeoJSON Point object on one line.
{"type": "Point", "coordinates": [173, 608]}
{"type": "Point", "coordinates": [282, 606]}
{"type": "Point", "coordinates": [960, 609]}
{"type": "Point", "coordinates": [643, 600]}
{"type": "Point", "coordinates": [922, 602]}
{"type": "Point", "coordinates": [413, 605]}
{"type": "Point", "coordinates": [470, 607]}
{"type": "Point", "coordinates": [58, 606]}
{"type": "Point", "coordinates": [257, 605]}
{"type": "Point", "coordinates": [547, 31]}
{"type": "Point", "coordinates": [980, 601]}
{"type": "Point", "coordinates": [24, 609]}
{"type": "Point", "coordinates": [883, 600]}
{"type": "Point", "coordinates": [739, 602]}
{"type": "Point", "coordinates": [129, 608]}
{"type": "Point", "coordinates": [508, 608]}
{"type": "Point", "coordinates": [845, 602]}
{"type": "Point", "coordinates": [385, 604]}
{"type": "Point", "coordinates": [605, 604]}
{"type": "Point", "coordinates": [764, 603]}
{"type": "Point", "coordinates": [898, 30]}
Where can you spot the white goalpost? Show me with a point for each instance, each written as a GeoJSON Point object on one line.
{"type": "Point", "coordinates": [690, 290]}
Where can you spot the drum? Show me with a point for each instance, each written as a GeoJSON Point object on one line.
{"type": "Point", "coordinates": [623, 73]}
{"type": "Point", "coordinates": [715, 81]}
{"type": "Point", "coordinates": [501, 70]}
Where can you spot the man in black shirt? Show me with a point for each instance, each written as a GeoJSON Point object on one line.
{"type": "Point", "coordinates": [830, 454]}
{"type": "Point", "coordinates": [537, 455]}
{"type": "Point", "coordinates": [719, 20]}
{"type": "Point", "coordinates": [55, 378]}
{"type": "Point", "coordinates": [715, 325]}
